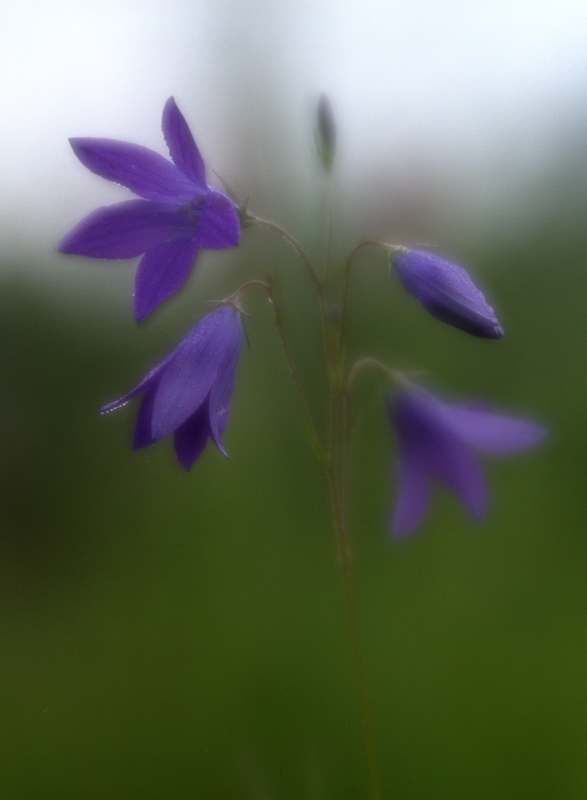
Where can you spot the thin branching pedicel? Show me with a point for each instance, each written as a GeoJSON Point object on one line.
{"type": "Point", "coordinates": [188, 394]}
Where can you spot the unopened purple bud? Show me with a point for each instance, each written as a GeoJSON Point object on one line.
{"type": "Point", "coordinates": [325, 132]}
{"type": "Point", "coordinates": [446, 291]}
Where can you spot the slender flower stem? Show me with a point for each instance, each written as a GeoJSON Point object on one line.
{"type": "Point", "coordinates": [337, 475]}
{"type": "Point", "coordinates": [344, 554]}
{"type": "Point", "coordinates": [319, 285]}
{"type": "Point", "coordinates": [328, 215]}
{"type": "Point", "coordinates": [267, 223]}
{"type": "Point", "coordinates": [345, 565]}
{"type": "Point", "coordinates": [363, 363]}
{"type": "Point", "coordinates": [254, 282]}
{"type": "Point", "coordinates": [335, 460]}
{"type": "Point", "coordinates": [346, 285]}
{"type": "Point", "coordinates": [345, 455]}
{"type": "Point", "coordinates": [316, 444]}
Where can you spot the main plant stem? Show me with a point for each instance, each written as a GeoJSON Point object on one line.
{"type": "Point", "coordinates": [345, 567]}
{"type": "Point", "coordinates": [337, 469]}
{"type": "Point", "coordinates": [335, 460]}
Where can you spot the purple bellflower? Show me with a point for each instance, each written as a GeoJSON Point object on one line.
{"type": "Point", "coordinates": [446, 291]}
{"type": "Point", "coordinates": [189, 392]}
{"type": "Point", "coordinates": [439, 441]}
{"type": "Point", "coordinates": [179, 213]}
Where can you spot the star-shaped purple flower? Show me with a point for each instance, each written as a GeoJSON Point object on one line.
{"type": "Point", "coordinates": [446, 291]}
{"type": "Point", "coordinates": [179, 213]}
{"type": "Point", "coordinates": [189, 392]}
{"type": "Point", "coordinates": [439, 441]}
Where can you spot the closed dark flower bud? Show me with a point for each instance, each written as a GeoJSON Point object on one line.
{"type": "Point", "coordinates": [325, 132]}
{"type": "Point", "coordinates": [446, 291]}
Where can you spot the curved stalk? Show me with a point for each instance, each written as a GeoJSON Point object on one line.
{"type": "Point", "coordinates": [335, 460]}
{"type": "Point", "coordinates": [345, 567]}
{"type": "Point", "coordinates": [293, 242]}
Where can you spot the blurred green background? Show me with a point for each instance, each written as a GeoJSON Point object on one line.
{"type": "Point", "coordinates": [174, 635]}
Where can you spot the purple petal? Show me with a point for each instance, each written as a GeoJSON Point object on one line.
{"type": "Point", "coordinates": [219, 225]}
{"type": "Point", "coordinates": [141, 387]}
{"type": "Point", "coordinates": [221, 393]}
{"type": "Point", "coordinates": [425, 439]}
{"type": "Point", "coordinates": [141, 170]}
{"type": "Point", "coordinates": [413, 494]}
{"type": "Point", "coordinates": [182, 148]}
{"type": "Point", "coordinates": [447, 292]}
{"type": "Point", "coordinates": [190, 373]}
{"type": "Point", "coordinates": [126, 230]}
{"type": "Point", "coordinates": [454, 464]}
{"type": "Point", "coordinates": [491, 432]}
{"type": "Point", "coordinates": [143, 436]}
{"type": "Point", "coordinates": [191, 437]}
{"type": "Point", "coordinates": [161, 272]}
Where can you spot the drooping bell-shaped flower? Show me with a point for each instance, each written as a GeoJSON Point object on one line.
{"type": "Point", "coordinates": [179, 212]}
{"type": "Point", "coordinates": [446, 291]}
{"type": "Point", "coordinates": [188, 394]}
{"type": "Point", "coordinates": [439, 442]}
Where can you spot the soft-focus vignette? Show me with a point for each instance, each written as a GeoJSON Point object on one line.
{"type": "Point", "coordinates": [167, 634]}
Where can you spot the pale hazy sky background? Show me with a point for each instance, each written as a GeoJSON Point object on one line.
{"type": "Point", "coordinates": [465, 83]}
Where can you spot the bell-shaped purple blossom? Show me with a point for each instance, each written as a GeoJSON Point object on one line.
{"type": "Point", "coordinates": [446, 291]}
{"type": "Point", "coordinates": [189, 392]}
{"type": "Point", "coordinates": [439, 441]}
{"type": "Point", "coordinates": [179, 213]}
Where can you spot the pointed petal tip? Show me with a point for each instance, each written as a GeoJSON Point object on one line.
{"type": "Point", "coordinates": [76, 243]}
{"type": "Point", "coordinates": [141, 307]}
{"type": "Point", "coordinates": [140, 312]}
{"type": "Point", "coordinates": [182, 147]}
{"type": "Point", "coordinates": [477, 508]}
{"type": "Point", "coordinates": [115, 404]}
{"type": "Point", "coordinates": [65, 245]}
{"type": "Point", "coordinates": [186, 463]}
{"type": "Point", "coordinates": [222, 449]}
{"type": "Point", "coordinates": [529, 434]}
{"type": "Point", "coordinates": [80, 144]}
{"type": "Point", "coordinates": [190, 439]}
{"type": "Point", "coordinates": [494, 332]}
{"type": "Point", "coordinates": [169, 107]}
{"type": "Point", "coordinates": [143, 304]}
{"type": "Point", "coordinates": [399, 531]}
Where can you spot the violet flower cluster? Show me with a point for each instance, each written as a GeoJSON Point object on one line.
{"type": "Point", "coordinates": [188, 394]}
